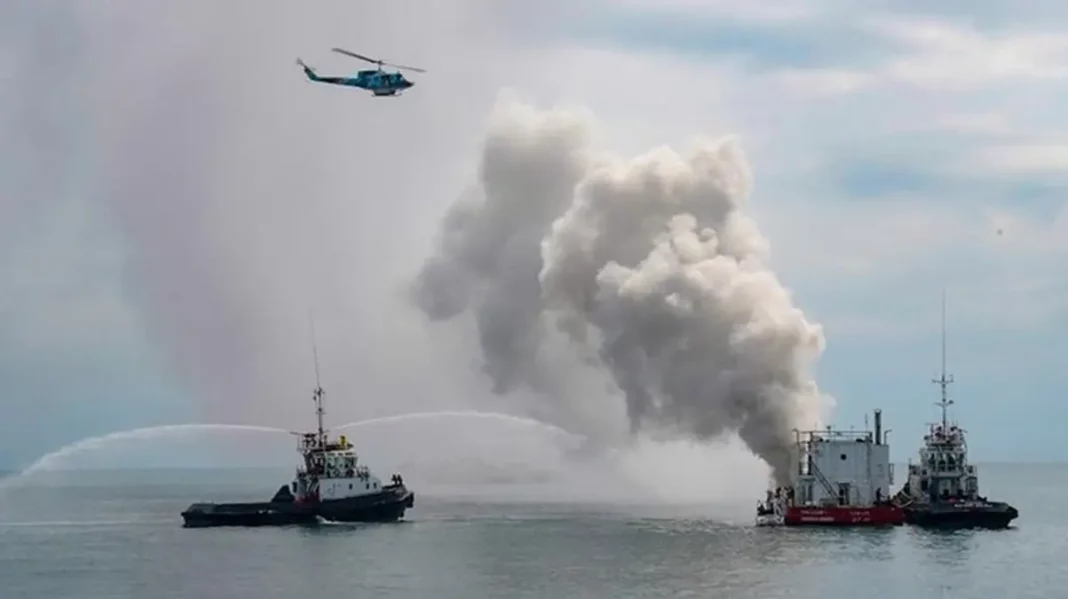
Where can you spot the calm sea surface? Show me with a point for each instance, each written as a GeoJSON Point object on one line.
{"type": "Point", "coordinates": [108, 536]}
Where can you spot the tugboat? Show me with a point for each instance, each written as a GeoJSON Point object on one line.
{"type": "Point", "coordinates": [942, 490]}
{"type": "Point", "coordinates": [842, 479]}
{"type": "Point", "coordinates": [330, 485]}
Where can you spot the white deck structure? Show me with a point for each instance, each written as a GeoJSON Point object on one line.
{"type": "Point", "coordinates": [835, 468]}
{"type": "Point", "coordinates": [843, 468]}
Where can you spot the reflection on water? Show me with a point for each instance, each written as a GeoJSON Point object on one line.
{"type": "Point", "coordinates": [948, 547]}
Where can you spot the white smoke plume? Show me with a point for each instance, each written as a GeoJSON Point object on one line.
{"type": "Point", "coordinates": [649, 267]}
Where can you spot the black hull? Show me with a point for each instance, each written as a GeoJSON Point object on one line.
{"type": "Point", "coordinates": [204, 515]}
{"type": "Point", "coordinates": [386, 506]}
{"type": "Point", "coordinates": [949, 516]}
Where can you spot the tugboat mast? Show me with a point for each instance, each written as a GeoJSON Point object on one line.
{"type": "Point", "coordinates": [317, 395]}
{"type": "Point", "coordinates": [945, 380]}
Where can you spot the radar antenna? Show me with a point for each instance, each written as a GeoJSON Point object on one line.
{"type": "Point", "coordinates": [944, 380]}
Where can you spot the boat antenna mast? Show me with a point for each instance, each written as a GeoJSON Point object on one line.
{"type": "Point", "coordinates": [945, 379]}
{"type": "Point", "coordinates": [317, 395]}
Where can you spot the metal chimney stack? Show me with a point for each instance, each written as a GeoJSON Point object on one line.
{"type": "Point", "coordinates": [878, 427]}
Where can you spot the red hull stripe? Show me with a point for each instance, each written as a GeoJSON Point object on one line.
{"type": "Point", "coordinates": [844, 516]}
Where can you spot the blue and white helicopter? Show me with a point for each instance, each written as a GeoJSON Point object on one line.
{"type": "Point", "coordinates": [376, 81]}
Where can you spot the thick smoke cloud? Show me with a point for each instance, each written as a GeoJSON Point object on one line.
{"type": "Point", "coordinates": [649, 267]}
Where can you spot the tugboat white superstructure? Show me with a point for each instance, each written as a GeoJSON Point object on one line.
{"type": "Point", "coordinates": [330, 484]}
{"type": "Point", "coordinates": [340, 487]}
{"type": "Point", "coordinates": [841, 478]}
{"type": "Point", "coordinates": [942, 490]}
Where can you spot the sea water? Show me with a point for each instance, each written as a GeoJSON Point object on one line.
{"type": "Point", "coordinates": [104, 534]}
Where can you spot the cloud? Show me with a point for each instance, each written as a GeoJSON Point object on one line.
{"type": "Point", "coordinates": [951, 56]}
{"type": "Point", "coordinates": [772, 12]}
{"type": "Point", "coordinates": [1021, 159]}
{"type": "Point", "coordinates": [228, 198]}
{"type": "Point", "coordinates": [818, 81]}
{"type": "Point", "coordinates": [760, 36]}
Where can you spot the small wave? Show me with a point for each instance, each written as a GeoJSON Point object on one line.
{"type": "Point", "coordinates": [78, 523]}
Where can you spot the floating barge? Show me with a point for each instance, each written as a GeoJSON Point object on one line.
{"type": "Point", "coordinates": [842, 478]}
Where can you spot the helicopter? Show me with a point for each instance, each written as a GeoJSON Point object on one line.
{"type": "Point", "coordinates": [377, 81]}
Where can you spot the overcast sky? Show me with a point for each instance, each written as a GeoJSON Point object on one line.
{"type": "Point", "coordinates": [176, 199]}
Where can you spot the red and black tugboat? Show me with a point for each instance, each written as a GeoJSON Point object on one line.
{"type": "Point", "coordinates": [331, 485]}
{"type": "Point", "coordinates": [841, 478]}
{"type": "Point", "coordinates": [942, 490]}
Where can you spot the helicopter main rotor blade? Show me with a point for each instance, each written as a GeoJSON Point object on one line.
{"type": "Point", "coordinates": [400, 66]}
{"type": "Point", "coordinates": [355, 55]}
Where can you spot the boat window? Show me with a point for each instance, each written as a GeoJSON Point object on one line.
{"type": "Point", "coordinates": [843, 456]}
